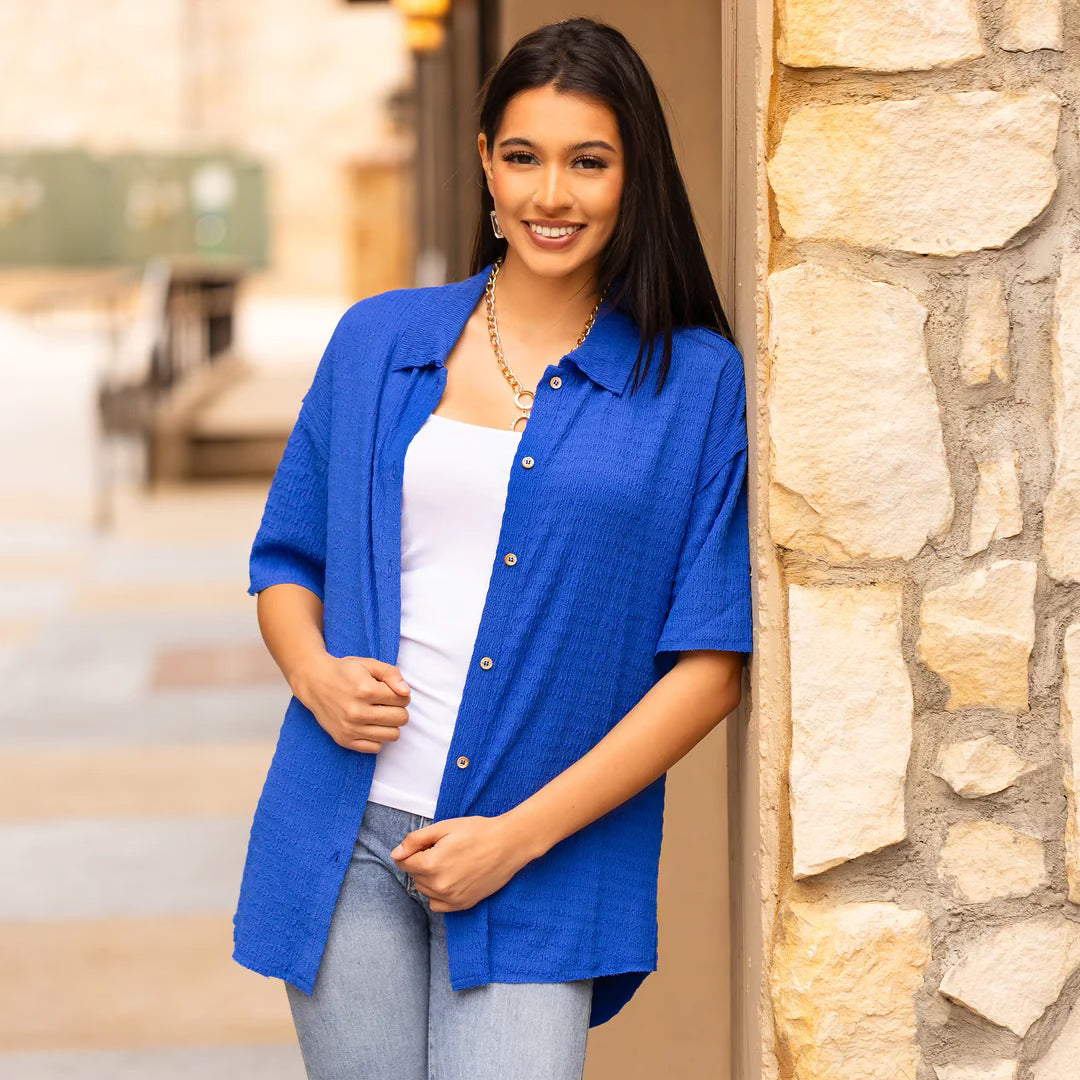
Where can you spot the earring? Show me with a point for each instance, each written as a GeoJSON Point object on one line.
{"type": "Point", "coordinates": [495, 225]}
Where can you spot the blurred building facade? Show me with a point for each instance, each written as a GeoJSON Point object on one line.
{"type": "Point", "coordinates": [317, 93]}
{"type": "Point", "coordinates": [267, 145]}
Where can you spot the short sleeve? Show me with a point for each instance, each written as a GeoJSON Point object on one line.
{"type": "Point", "coordinates": [290, 545]}
{"type": "Point", "coordinates": [711, 605]}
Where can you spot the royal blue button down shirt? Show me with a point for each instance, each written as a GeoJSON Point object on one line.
{"type": "Point", "coordinates": [628, 517]}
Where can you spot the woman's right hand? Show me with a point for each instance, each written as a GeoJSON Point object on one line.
{"type": "Point", "coordinates": [359, 701]}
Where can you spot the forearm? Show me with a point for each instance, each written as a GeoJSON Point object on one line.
{"type": "Point", "coordinates": [291, 622]}
{"type": "Point", "coordinates": [675, 715]}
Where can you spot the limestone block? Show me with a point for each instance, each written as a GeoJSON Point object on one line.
{"type": "Point", "coordinates": [996, 511]}
{"type": "Point", "coordinates": [941, 175]}
{"type": "Point", "coordinates": [984, 343]}
{"type": "Point", "coordinates": [843, 981]}
{"type": "Point", "coordinates": [977, 767]}
{"type": "Point", "coordinates": [994, 1069]}
{"type": "Point", "coordinates": [977, 634]}
{"type": "Point", "coordinates": [1061, 511]}
{"type": "Point", "coordinates": [851, 711]}
{"type": "Point", "coordinates": [857, 458]}
{"type": "Point", "coordinates": [893, 35]}
{"type": "Point", "coordinates": [1010, 975]}
{"type": "Point", "coordinates": [1027, 25]}
{"type": "Point", "coordinates": [982, 860]}
{"type": "Point", "coordinates": [1060, 1061]}
{"type": "Point", "coordinates": [851, 714]}
{"type": "Point", "coordinates": [1070, 734]}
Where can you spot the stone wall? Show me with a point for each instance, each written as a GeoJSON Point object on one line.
{"type": "Point", "coordinates": [923, 407]}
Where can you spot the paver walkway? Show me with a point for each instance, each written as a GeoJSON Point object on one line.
{"type": "Point", "coordinates": [137, 718]}
{"type": "Point", "coordinates": [137, 722]}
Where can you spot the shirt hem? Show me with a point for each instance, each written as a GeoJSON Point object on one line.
{"type": "Point", "coordinates": [380, 793]}
{"type": "Point", "coordinates": [506, 975]}
{"type": "Point", "coordinates": [742, 645]}
{"type": "Point", "coordinates": [285, 578]}
{"type": "Point", "coordinates": [273, 971]}
{"type": "Point", "coordinates": [607, 1002]}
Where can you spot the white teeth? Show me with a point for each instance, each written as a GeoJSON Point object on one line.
{"type": "Point", "coordinates": [564, 230]}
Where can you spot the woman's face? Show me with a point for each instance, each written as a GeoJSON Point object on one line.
{"type": "Point", "coordinates": [556, 162]}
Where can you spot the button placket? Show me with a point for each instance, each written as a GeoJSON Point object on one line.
{"type": "Point", "coordinates": [510, 558]}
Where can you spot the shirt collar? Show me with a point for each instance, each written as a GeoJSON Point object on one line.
{"type": "Point", "coordinates": [607, 355]}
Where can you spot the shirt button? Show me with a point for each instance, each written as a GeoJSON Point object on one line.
{"type": "Point", "coordinates": [528, 462]}
{"type": "Point", "coordinates": [486, 662]}
{"type": "Point", "coordinates": [463, 762]}
{"type": "Point", "coordinates": [509, 558]}
{"type": "Point", "coordinates": [555, 382]}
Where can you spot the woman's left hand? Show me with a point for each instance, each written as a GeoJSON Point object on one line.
{"type": "Point", "coordinates": [458, 861]}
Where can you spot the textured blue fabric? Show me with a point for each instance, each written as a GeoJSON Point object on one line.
{"type": "Point", "coordinates": [628, 517]}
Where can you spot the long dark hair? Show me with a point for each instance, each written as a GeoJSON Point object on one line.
{"type": "Point", "coordinates": [654, 260]}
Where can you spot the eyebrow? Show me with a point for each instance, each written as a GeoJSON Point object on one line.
{"type": "Point", "coordinates": [589, 144]}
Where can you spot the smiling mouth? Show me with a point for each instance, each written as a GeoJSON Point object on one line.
{"type": "Point", "coordinates": [554, 232]}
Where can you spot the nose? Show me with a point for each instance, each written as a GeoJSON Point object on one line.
{"type": "Point", "coordinates": [551, 191]}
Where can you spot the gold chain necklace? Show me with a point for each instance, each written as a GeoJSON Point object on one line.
{"type": "Point", "coordinates": [493, 333]}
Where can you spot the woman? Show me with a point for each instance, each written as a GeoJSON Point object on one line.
{"type": "Point", "coordinates": [509, 586]}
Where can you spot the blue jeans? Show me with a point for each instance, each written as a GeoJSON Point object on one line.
{"type": "Point", "coordinates": [383, 1007]}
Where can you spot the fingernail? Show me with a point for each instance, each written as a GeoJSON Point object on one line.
{"type": "Point", "coordinates": [396, 851]}
{"type": "Point", "coordinates": [403, 686]}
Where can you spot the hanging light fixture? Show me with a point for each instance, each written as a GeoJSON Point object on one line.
{"type": "Point", "coordinates": [425, 30]}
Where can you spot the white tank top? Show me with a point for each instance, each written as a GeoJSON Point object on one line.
{"type": "Point", "coordinates": [453, 494]}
